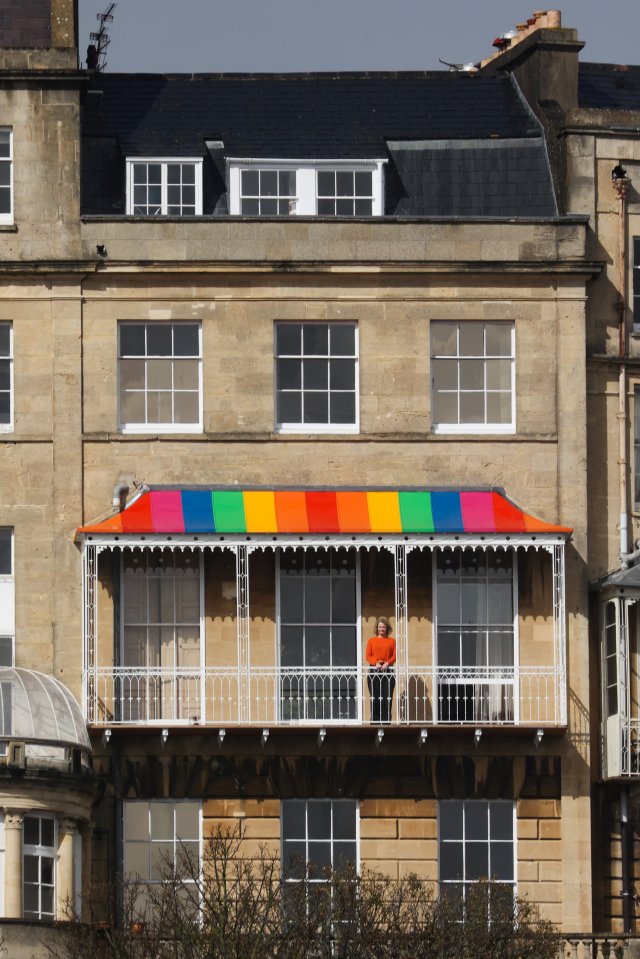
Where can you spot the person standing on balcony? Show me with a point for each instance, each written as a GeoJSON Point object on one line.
{"type": "Point", "coordinates": [381, 655]}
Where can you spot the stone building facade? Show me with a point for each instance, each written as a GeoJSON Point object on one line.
{"type": "Point", "coordinates": [233, 438]}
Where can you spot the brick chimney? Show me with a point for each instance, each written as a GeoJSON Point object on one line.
{"type": "Point", "coordinates": [543, 57]}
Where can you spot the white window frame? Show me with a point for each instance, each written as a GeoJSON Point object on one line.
{"type": "Point", "coordinates": [305, 202]}
{"type": "Point", "coordinates": [152, 699]}
{"type": "Point", "coordinates": [290, 427]}
{"type": "Point", "coordinates": [6, 219]}
{"type": "Point", "coordinates": [357, 719]}
{"type": "Point", "coordinates": [514, 720]}
{"type": "Point", "coordinates": [7, 598]}
{"type": "Point", "coordinates": [8, 427]}
{"type": "Point", "coordinates": [148, 840]}
{"type": "Point", "coordinates": [466, 883]}
{"type": "Point", "coordinates": [331, 840]}
{"type": "Point", "coordinates": [42, 852]}
{"type": "Point", "coordinates": [147, 427]}
{"type": "Point", "coordinates": [471, 428]}
{"type": "Point", "coordinates": [164, 162]}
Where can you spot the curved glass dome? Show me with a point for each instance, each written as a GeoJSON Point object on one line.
{"type": "Point", "coordinates": [39, 708]}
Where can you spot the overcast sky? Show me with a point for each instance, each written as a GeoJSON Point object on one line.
{"type": "Point", "coordinates": [208, 36]}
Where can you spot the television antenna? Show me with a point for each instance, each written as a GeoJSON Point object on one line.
{"type": "Point", "coordinates": [100, 40]}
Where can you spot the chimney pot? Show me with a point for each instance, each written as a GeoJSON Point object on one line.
{"type": "Point", "coordinates": [554, 18]}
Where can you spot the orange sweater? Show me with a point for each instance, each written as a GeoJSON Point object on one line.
{"type": "Point", "coordinates": [381, 648]}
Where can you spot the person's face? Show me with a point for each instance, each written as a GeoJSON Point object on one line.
{"type": "Point", "coordinates": [383, 629]}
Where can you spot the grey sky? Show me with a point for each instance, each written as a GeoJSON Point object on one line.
{"type": "Point", "coordinates": [208, 36]}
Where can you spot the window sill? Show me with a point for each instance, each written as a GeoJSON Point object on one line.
{"type": "Point", "coordinates": [468, 429]}
{"type": "Point", "coordinates": [153, 429]}
{"type": "Point", "coordinates": [8, 228]}
{"type": "Point", "coordinates": [317, 430]}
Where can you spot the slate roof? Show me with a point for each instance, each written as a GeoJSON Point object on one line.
{"type": "Point", "coordinates": [328, 116]}
{"type": "Point", "coordinates": [609, 86]}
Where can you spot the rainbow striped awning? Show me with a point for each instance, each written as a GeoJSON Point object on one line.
{"type": "Point", "coordinates": [285, 511]}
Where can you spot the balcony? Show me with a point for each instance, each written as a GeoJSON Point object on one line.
{"type": "Point", "coordinates": [224, 696]}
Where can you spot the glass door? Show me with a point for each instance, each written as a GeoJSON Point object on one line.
{"type": "Point", "coordinates": [318, 647]}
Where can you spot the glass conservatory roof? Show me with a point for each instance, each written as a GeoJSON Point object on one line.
{"type": "Point", "coordinates": [206, 510]}
{"type": "Point", "coordinates": [38, 707]}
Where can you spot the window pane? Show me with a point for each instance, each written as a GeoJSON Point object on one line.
{"type": "Point", "coordinates": [502, 861]}
{"type": "Point", "coordinates": [344, 184]}
{"type": "Point", "coordinates": [344, 855]}
{"type": "Point", "coordinates": [132, 339]}
{"type": "Point", "coordinates": [46, 869]}
{"type": "Point", "coordinates": [363, 207]}
{"type": "Point", "coordinates": [343, 339]}
{"type": "Point", "coordinates": [159, 374]}
{"type": "Point", "coordinates": [316, 374]}
{"type": "Point", "coordinates": [250, 207]}
{"type": "Point", "coordinates": [291, 600]}
{"type": "Point", "coordinates": [186, 339]}
{"type": "Point", "coordinates": [288, 339]}
{"type": "Point", "coordinates": [471, 375]}
{"type": "Point", "coordinates": [295, 859]}
{"type": "Point", "coordinates": [450, 820]}
{"type": "Point", "coordinates": [318, 652]}
{"type": "Point", "coordinates": [316, 339]}
{"type": "Point", "coordinates": [269, 207]}
{"type": "Point", "coordinates": [343, 408]}
{"type": "Point", "coordinates": [501, 818]}
{"type": "Point", "coordinates": [326, 183]}
{"type": "Point", "coordinates": [476, 820]}
{"type": "Point", "coordinates": [343, 374]}
{"type": "Point", "coordinates": [445, 408]}
{"type": "Point", "coordinates": [319, 858]}
{"type": "Point", "coordinates": [31, 903]}
{"type": "Point", "coordinates": [445, 374]}
{"type": "Point", "coordinates": [162, 859]}
{"type": "Point", "coordinates": [5, 143]}
{"type": "Point", "coordinates": [268, 183]}
{"type": "Point", "coordinates": [31, 872]}
{"type": "Point", "coordinates": [250, 183]}
{"type": "Point", "coordinates": [319, 820]}
{"type": "Point", "coordinates": [186, 407]}
{"type": "Point", "coordinates": [5, 174]}
{"type": "Point", "coordinates": [287, 183]}
{"type": "Point", "coordinates": [476, 860]}
{"type": "Point", "coordinates": [6, 651]}
{"type": "Point", "coordinates": [159, 407]}
{"type": "Point", "coordinates": [343, 648]}
{"type": "Point", "coordinates": [161, 820]}
{"type": "Point", "coordinates": [159, 339]}
{"type": "Point", "coordinates": [289, 408]}
{"type": "Point", "coordinates": [326, 208]}
{"type": "Point", "coordinates": [316, 408]}
{"type": "Point", "coordinates": [31, 831]}
{"type": "Point", "coordinates": [363, 183]}
{"type": "Point", "coordinates": [451, 862]}
{"type": "Point", "coordinates": [499, 374]}
{"type": "Point", "coordinates": [289, 374]}
{"type": "Point", "coordinates": [293, 820]}
{"type": "Point", "coordinates": [499, 407]}
{"type": "Point", "coordinates": [444, 339]}
{"type": "Point", "coordinates": [344, 820]}
{"type": "Point", "coordinates": [136, 820]}
{"type": "Point", "coordinates": [472, 407]}
{"type": "Point", "coordinates": [343, 598]}
{"type": "Point", "coordinates": [344, 208]}
{"type": "Point", "coordinates": [132, 374]}
{"type": "Point", "coordinates": [5, 339]}
{"type": "Point", "coordinates": [185, 374]}
{"type": "Point", "coordinates": [154, 173]}
{"type": "Point", "coordinates": [132, 408]}
{"type": "Point", "coordinates": [471, 339]}
{"type": "Point", "coordinates": [499, 339]}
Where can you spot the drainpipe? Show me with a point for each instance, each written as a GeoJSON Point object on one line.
{"type": "Point", "coordinates": [116, 774]}
{"type": "Point", "coordinates": [626, 862]}
{"type": "Point", "coordinates": [620, 183]}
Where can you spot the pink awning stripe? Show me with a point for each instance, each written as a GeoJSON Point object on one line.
{"type": "Point", "coordinates": [477, 512]}
{"type": "Point", "coordinates": [166, 510]}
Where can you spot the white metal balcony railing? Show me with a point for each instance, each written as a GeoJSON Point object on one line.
{"type": "Point", "coordinates": [267, 696]}
{"type": "Point", "coordinates": [630, 740]}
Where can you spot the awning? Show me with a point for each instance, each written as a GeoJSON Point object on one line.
{"type": "Point", "coordinates": [194, 510]}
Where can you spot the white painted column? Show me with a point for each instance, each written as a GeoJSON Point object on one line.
{"type": "Point", "coordinates": [64, 875]}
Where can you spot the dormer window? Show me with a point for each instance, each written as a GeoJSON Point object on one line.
{"type": "Point", "coordinates": [306, 188]}
{"type": "Point", "coordinates": [164, 187]}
